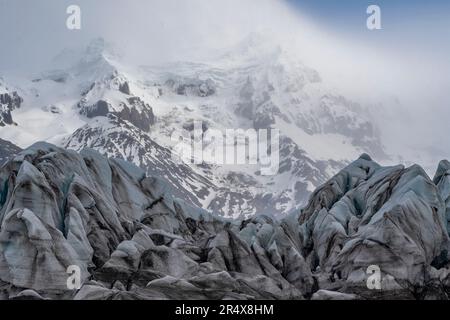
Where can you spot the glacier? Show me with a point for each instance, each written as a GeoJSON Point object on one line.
{"type": "Point", "coordinates": [133, 239]}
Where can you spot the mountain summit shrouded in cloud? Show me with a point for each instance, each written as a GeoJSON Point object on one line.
{"type": "Point", "coordinates": [391, 65]}
{"type": "Point", "coordinates": [98, 100]}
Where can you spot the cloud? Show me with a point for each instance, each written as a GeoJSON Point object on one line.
{"type": "Point", "coordinates": [151, 31]}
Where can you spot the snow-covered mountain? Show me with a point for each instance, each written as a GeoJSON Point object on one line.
{"type": "Point", "coordinates": [95, 99]}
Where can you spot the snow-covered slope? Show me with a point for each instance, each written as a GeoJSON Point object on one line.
{"type": "Point", "coordinates": [94, 99]}
{"type": "Point", "coordinates": [259, 86]}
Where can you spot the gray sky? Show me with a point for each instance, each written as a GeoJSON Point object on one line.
{"type": "Point", "coordinates": [158, 29]}
{"type": "Point", "coordinates": [152, 30]}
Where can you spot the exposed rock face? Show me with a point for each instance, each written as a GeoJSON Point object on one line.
{"type": "Point", "coordinates": [260, 85]}
{"type": "Point", "coordinates": [99, 109]}
{"type": "Point", "coordinates": [138, 113]}
{"type": "Point", "coordinates": [121, 139]}
{"type": "Point", "coordinates": [195, 87]}
{"type": "Point", "coordinates": [8, 103]}
{"type": "Point", "coordinates": [132, 239]}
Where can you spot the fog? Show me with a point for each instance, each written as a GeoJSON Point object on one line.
{"type": "Point", "coordinates": [409, 77]}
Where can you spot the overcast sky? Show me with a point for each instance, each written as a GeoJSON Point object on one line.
{"type": "Point", "coordinates": [34, 29]}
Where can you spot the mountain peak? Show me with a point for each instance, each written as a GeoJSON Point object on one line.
{"type": "Point", "coordinates": [98, 52]}
{"type": "Point", "coordinates": [99, 48]}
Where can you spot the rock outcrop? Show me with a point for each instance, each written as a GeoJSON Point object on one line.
{"type": "Point", "coordinates": [130, 238]}
{"type": "Point", "coordinates": [9, 101]}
